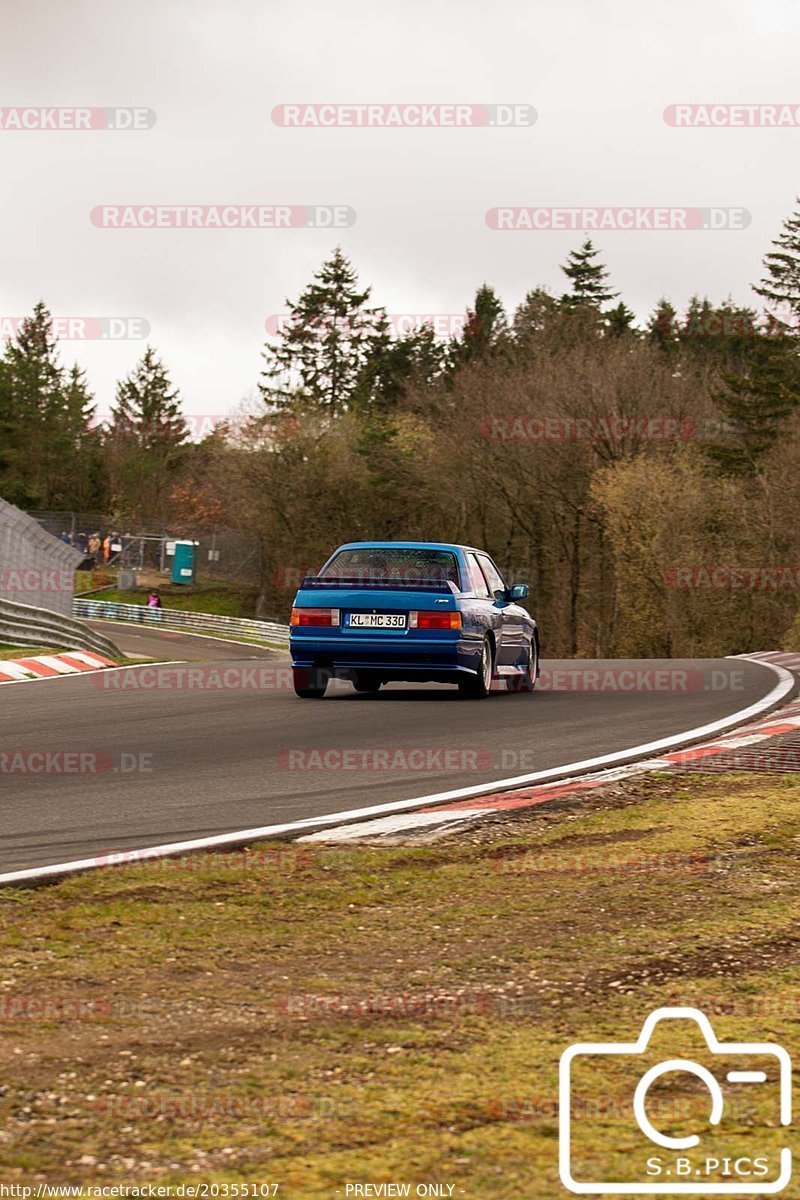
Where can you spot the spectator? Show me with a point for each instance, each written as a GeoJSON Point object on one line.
{"type": "Point", "coordinates": [82, 542]}
{"type": "Point", "coordinates": [154, 599]}
{"type": "Point", "coordinates": [65, 538]}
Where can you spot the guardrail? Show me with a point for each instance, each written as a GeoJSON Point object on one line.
{"type": "Point", "coordinates": [177, 618]}
{"type": "Point", "coordinates": [24, 625]}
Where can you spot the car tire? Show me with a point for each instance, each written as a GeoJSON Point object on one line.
{"type": "Point", "coordinates": [309, 683]}
{"type": "Point", "coordinates": [366, 682]}
{"type": "Point", "coordinates": [527, 682]}
{"type": "Point", "coordinates": [479, 686]}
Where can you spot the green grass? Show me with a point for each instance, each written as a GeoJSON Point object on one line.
{"type": "Point", "coordinates": [452, 976]}
{"type": "Point", "coordinates": [100, 577]}
{"type": "Point", "coordinates": [223, 601]}
{"type": "Point", "coordinates": [25, 651]}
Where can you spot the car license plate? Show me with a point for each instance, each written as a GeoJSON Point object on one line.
{"type": "Point", "coordinates": [376, 620]}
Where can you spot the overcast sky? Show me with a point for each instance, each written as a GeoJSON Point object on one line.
{"type": "Point", "coordinates": [598, 72]}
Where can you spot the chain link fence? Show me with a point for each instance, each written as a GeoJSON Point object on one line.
{"type": "Point", "coordinates": [221, 553]}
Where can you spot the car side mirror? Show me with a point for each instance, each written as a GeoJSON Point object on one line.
{"type": "Point", "coordinates": [518, 592]}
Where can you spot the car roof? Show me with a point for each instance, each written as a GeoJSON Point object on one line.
{"type": "Point", "coordinates": [403, 545]}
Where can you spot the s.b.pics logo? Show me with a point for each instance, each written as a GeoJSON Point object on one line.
{"type": "Point", "coordinates": [706, 1122]}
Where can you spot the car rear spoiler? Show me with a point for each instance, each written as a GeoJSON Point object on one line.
{"type": "Point", "coordinates": [392, 585]}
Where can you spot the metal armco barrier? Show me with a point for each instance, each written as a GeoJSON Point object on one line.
{"type": "Point", "coordinates": [23, 625]}
{"type": "Point", "coordinates": [176, 618]}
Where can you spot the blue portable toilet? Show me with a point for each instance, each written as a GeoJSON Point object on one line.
{"type": "Point", "coordinates": [183, 562]}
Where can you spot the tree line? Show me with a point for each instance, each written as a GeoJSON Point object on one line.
{"type": "Point", "coordinates": [642, 480]}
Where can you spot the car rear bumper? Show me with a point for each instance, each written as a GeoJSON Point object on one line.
{"type": "Point", "coordinates": [434, 657]}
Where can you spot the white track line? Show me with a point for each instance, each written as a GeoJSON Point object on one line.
{"type": "Point", "coordinates": [144, 627]}
{"type": "Point", "coordinates": [784, 685]}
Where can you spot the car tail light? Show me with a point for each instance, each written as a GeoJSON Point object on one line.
{"type": "Point", "coordinates": [315, 616]}
{"type": "Point", "coordinates": [434, 620]}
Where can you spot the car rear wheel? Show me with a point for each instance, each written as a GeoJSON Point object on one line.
{"type": "Point", "coordinates": [527, 682]}
{"type": "Point", "coordinates": [364, 681]}
{"type": "Point", "coordinates": [478, 687]}
{"type": "Point", "coordinates": [309, 683]}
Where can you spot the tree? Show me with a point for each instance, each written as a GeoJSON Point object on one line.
{"type": "Point", "coordinates": [146, 440]}
{"type": "Point", "coordinates": [755, 404]}
{"type": "Point", "coordinates": [588, 277]}
{"type": "Point", "coordinates": [620, 319]}
{"type": "Point", "coordinates": [662, 326]}
{"type": "Point", "coordinates": [665, 521]}
{"type": "Point", "coordinates": [485, 328]}
{"type": "Point", "coordinates": [781, 283]}
{"type": "Point", "coordinates": [392, 364]}
{"type": "Point", "coordinates": [80, 473]}
{"type": "Point", "coordinates": [147, 409]}
{"type": "Point", "coordinates": [533, 315]}
{"type": "Point", "coordinates": [331, 336]}
{"type": "Point", "coordinates": [45, 421]}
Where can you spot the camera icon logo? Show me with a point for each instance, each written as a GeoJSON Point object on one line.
{"type": "Point", "coordinates": [698, 1112]}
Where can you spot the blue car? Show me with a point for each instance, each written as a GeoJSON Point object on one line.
{"type": "Point", "coordinates": [412, 611]}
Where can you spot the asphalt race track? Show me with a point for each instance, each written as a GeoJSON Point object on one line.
{"type": "Point", "coordinates": [234, 749]}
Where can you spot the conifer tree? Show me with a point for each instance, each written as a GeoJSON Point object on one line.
{"type": "Point", "coordinates": [588, 277]}
{"type": "Point", "coordinates": [662, 326]}
{"type": "Point", "coordinates": [781, 282]}
{"type": "Point", "coordinates": [146, 440]}
{"type": "Point", "coordinates": [320, 356]}
{"type": "Point", "coordinates": [755, 404]}
{"type": "Point", "coordinates": [485, 328]}
{"type": "Point", "coordinates": [45, 420]}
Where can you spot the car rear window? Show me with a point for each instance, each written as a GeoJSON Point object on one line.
{"type": "Point", "coordinates": [382, 562]}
